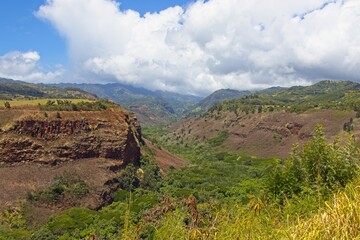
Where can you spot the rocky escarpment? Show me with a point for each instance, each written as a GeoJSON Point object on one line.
{"type": "Point", "coordinates": [110, 135]}
{"type": "Point", "coordinates": [35, 147]}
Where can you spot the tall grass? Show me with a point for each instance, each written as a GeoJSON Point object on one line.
{"type": "Point", "coordinates": [339, 219]}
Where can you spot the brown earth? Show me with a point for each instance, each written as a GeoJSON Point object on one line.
{"type": "Point", "coordinates": [17, 180]}
{"type": "Point", "coordinates": [261, 134]}
{"type": "Point", "coordinates": [165, 159]}
{"type": "Point", "coordinates": [36, 147]}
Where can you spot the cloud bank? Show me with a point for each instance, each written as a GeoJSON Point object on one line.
{"type": "Point", "coordinates": [24, 66]}
{"type": "Point", "coordinates": [241, 44]}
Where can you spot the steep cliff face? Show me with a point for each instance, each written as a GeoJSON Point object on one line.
{"type": "Point", "coordinates": [111, 134]}
{"type": "Point", "coordinates": [35, 147]}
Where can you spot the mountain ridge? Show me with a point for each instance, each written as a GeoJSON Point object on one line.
{"type": "Point", "coordinates": [14, 89]}
{"type": "Point", "coordinates": [151, 107]}
{"type": "Point", "coordinates": [219, 96]}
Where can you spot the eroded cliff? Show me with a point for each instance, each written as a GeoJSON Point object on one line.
{"type": "Point", "coordinates": [110, 134]}
{"type": "Point", "coordinates": [36, 146]}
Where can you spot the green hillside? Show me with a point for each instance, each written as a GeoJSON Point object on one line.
{"type": "Point", "coordinates": [219, 96]}
{"type": "Point", "coordinates": [10, 89]}
{"type": "Point", "coordinates": [322, 95]}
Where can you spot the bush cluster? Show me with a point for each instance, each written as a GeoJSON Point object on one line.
{"type": "Point", "coordinates": [65, 186]}
{"type": "Point", "coordinates": [66, 105]}
{"type": "Point", "coordinates": [319, 168]}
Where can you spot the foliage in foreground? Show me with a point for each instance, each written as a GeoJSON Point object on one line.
{"type": "Point", "coordinates": [339, 219]}
{"type": "Point", "coordinates": [319, 168]}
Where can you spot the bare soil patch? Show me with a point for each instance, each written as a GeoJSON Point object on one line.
{"type": "Point", "coordinates": [262, 134]}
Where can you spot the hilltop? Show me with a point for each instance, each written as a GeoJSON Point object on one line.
{"type": "Point", "coordinates": [318, 93]}
{"type": "Point", "coordinates": [218, 96]}
{"type": "Point", "coordinates": [322, 95]}
{"type": "Point", "coordinates": [11, 89]}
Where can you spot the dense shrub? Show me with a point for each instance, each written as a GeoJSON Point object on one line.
{"type": "Point", "coordinates": [318, 168]}
{"type": "Point", "coordinates": [218, 139]}
{"type": "Point", "coordinates": [66, 105]}
{"type": "Point", "coordinates": [65, 186]}
{"type": "Point", "coordinates": [128, 179]}
{"type": "Point", "coordinates": [147, 177]}
{"type": "Point", "coordinates": [7, 105]}
{"type": "Point", "coordinates": [150, 177]}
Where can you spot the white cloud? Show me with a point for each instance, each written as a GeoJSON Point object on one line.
{"type": "Point", "coordinates": [209, 45]}
{"type": "Point", "coordinates": [24, 66]}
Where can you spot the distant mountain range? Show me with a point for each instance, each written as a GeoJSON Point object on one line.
{"type": "Point", "coordinates": [160, 107]}
{"type": "Point", "coordinates": [151, 107]}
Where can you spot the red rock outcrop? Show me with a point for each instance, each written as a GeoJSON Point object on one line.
{"type": "Point", "coordinates": [94, 145]}
{"type": "Point", "coordinates": [110, 134]}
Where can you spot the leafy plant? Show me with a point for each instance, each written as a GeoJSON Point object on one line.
{"type": "Point", "coordinates": [318, 168]}
{"type": "Point", "coordinates": [128, 179]}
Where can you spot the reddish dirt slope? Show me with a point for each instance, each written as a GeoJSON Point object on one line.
{"type": "Point", "coordinates": [166, 159]}
{"type": "Point", "coordinates": [261, 134]}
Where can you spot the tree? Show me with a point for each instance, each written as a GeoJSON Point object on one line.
{"type": "Point", "coordinates": [128, 179]}
{"type": "Point", "coordinates": [151, 174]}
{"type": "Point", "coordinates": [348, 126]}
{"type": "Point", "coordinates": [7, 105]}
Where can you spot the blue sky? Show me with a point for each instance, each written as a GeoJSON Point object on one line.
{"type": "Point", "coordinates": [21, 30]}
{"type": "Point", "coordinates": [196, 48]}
